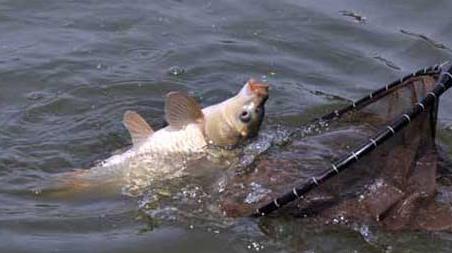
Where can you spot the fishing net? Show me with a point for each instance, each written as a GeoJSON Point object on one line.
{"type": "Point", "coordinates": [374, 160]}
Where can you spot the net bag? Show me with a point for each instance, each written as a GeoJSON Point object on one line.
{"type": "Point", "coordinates": [375, 159]}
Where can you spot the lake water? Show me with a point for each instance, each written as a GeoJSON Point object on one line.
{"type": "Point", "coordinates": [70, 69]}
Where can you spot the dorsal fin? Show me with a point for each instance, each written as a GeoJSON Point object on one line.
{"type": "Point", "coordinates": [181, 110]}
{"type": "Point", "coordinates": [138, 128]}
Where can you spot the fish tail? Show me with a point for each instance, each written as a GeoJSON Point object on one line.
{"type": "Point", "coordinates": [77, 180]}
{"type": "Point", "coordinates": [80, 181]}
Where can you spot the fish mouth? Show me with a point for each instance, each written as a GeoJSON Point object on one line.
{"type": "Point", "coordinates": [259, 89]}
{"type": "Point", "coordinates": [260, 92]}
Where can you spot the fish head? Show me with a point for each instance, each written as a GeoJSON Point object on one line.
{"type": "Point", "coordinates": [251, 108]}
{"type": "Point", "coordinates": [239, 117]}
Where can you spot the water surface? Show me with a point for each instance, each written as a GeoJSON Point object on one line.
{"type": "Point", "coordinates": [70, 69]}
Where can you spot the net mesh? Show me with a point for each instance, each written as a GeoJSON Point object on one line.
{"type": "Point", "coordinates": [395, 185]}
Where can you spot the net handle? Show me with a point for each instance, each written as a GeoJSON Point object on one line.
{"type": "Point", "coordinates": [443, 84]}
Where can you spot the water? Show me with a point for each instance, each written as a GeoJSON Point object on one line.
{"type": "Point", "coordinates": [69, 70]}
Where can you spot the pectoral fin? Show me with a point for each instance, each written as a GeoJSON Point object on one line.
{"type": "Point", "coordinates": [181, 110]}
{"type": "Point", "coordinates": [138, 128]}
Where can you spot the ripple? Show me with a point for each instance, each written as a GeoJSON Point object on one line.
{"type": "Point", "coordinates": [356, 17]}
{"type": "Point", "coordinates": [426, 39]}
{"type": "Point", "coordinates": [37, 95]}
{"type": "Point", "coordinates": [147, 54]}
{"type": "Point", "coordinates": [387, 62]}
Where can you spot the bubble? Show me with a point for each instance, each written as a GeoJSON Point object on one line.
{"type": "Point", "coordinates": [176, 71]}
{"type": "Point", "coordinates": [255, 246]}
{"type": "Point", "coordinates": [37, 191]}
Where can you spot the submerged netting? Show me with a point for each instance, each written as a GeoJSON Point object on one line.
{"type": "Point", "coordinates": [378, 157]}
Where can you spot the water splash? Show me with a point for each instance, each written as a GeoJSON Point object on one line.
{"type": "Point", "coordinates": [275, 136]}
{"type": "Point", "coordinates": [196, 193]}
{"type": "Point", "coordinates": [144, 170]}
{"type": "Point", "coordinates": [176, 71]}
{"type": "Point", "coordinates": [257, 193]}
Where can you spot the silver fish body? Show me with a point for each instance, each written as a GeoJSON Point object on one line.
{"type": "Point", "coordinates": [219, 124]}
{"type": "Point", "coordinates": [165, 142]}
{"type": "Point", "coordinates": [163, 153]}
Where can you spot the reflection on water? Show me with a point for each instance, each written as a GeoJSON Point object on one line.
{"type": "Point", "coordinates": [70, 69]}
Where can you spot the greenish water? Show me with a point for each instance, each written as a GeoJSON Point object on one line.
{"type": "Point", "coordinates": [70, 69]}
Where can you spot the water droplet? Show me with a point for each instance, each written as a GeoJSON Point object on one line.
{"type": "Point", "coordinates": [257, 193]}
{"type": "Point", "coordinates": [176, 71]}
{"type": "Point", "coordinates": [256, 246]}
{"type": "Point", "coordinates": [37, 191]}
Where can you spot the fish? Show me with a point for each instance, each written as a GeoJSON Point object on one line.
{"type": "Point", "coordinates": [191, 130]}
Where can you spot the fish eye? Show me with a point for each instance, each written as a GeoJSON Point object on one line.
{"type": "Point", "coordinates": [245, 117]}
